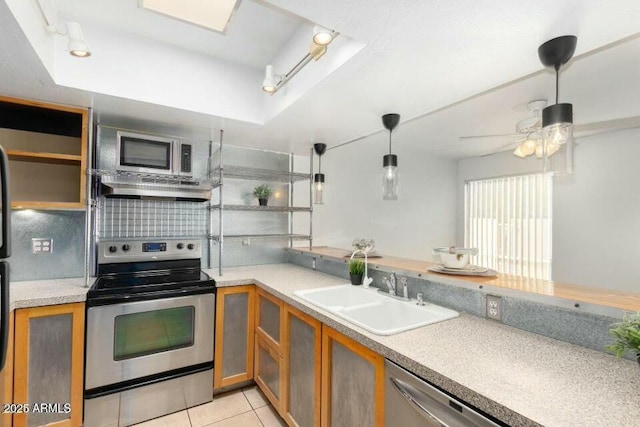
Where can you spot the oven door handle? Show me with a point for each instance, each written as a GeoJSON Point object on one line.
{"type": "Point", "coordinates": [98, 300]}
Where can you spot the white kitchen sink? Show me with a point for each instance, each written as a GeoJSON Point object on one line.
{"type": "Point", "coordinates": [374, 312]}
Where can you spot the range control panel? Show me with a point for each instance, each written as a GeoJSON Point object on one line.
{"type": "Point", "coordinates": [148, 250]}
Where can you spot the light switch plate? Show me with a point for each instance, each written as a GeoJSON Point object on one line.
{"type": "Point", "coordinates": [42, 246]}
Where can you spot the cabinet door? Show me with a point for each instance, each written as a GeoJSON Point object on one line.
{"type": "Point", "coordinates": [269, 373]}
{"type": "Point", "coordinates": [49, 364]}
{"type": "Point", "coordinates": [352, 382]}
{"type": "Point", "coordinates": [6, 377]}
{"type": "Point", "coordinates": [270, 319]}
{"type": "Point", "coordinates": [303, 360]}
{"type": "Point", "coordinates": [234, 335]}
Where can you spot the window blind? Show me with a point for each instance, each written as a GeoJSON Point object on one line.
{"type": "Point", "coordinates": [509, 220]}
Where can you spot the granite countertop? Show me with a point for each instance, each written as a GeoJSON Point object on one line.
{"type": "Point", "coordinates": [38, 293]}
{"type": "Point", "coordinates": [521, 378]}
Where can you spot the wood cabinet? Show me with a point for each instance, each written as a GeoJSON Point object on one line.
{"type": "Point", "coordinates": [352, 382]}
{"type": "Point", "coordinates": [49, 364]}
{"type": "Point", "coordinates": [234, 338]}
{"type": "Point", "coordinates": [46, 145]}
{"type": "Point", "coordinates": [302, 367]}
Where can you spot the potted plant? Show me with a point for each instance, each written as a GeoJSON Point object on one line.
{"type": "Point", "coordinates": [262, 193]}
{"type": "Point", "coordinates": [627, 335]}
{"type": "Point", "coordinates": [356, 271]}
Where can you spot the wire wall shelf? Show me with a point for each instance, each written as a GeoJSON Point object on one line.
{"type": "Point", "coordinates": [132, 218]}
{"type": "Point", "coordinates": [150, 178]}
{"type": "Point", "coordinates": [216, 238]}
{"type": "Point", "coordinates": [241, 172]}
{"type": "Point", "coordinates": [257, 208]}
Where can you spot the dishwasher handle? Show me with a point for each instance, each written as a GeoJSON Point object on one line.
{"type": "Point", "coordinates": [415, 402]}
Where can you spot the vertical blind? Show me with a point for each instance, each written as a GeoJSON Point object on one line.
{"type": "Point", "coordinates": [509, 220]}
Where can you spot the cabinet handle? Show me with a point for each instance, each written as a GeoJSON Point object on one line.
{"type": "Point", "coordinates": [415, 403]}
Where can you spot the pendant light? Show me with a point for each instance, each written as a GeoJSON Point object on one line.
{"type": "Point", "coordinates": [557, 119]}
{"type": "Point", "coordinates": [390, 161]}
{"type": "Point", "coordinates": [318, 179]}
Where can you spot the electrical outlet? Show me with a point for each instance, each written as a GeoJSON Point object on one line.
{"type": "Point", "coordinates": [313, 263]}
{"type": "Point", "coordinates": [494, 307]}
{"type": "Point", "coordinates": [42, 246]}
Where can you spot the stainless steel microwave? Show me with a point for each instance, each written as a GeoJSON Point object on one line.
{"type": "Point", "coordinates": [153, 154]}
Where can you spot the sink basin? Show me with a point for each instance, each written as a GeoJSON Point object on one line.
{"type": "Point", "coordinates": [374, 312]}
{"type": "Point", "coordinates": [338, 297]}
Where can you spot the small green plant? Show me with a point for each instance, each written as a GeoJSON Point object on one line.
{"type": "Point", "coordinates": [356, 267]}
{"type": "Point", "coordinates": [262, 191]}
{"type": "Point", "coordinates": [627, 335]}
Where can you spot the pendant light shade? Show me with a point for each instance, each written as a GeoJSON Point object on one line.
{"type": "Point", "coordinates": [390, 162]}
{"type": "Point", "coordinates": [557, 119]}
{"type": "Point", "coordinates": [318, 178]}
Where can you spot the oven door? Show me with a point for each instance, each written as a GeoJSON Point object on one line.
{"type": "Point", "coordinates": [145, 153]}
{"type": "Point", "coordinates": [138, 339]}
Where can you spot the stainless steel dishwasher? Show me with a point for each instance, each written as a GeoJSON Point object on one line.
{"type": "Point", "coordinates": [410, 401]}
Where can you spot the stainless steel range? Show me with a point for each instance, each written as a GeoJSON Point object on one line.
{"type": "Point", "coordinates": [149, 333]}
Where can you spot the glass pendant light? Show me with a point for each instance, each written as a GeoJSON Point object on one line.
{"type": "Point", "coordinates": [557, 119]}
{"type": "Point", "coordinates": [390, 162]}
{"type": "Point", "coordinates": [318, 179]}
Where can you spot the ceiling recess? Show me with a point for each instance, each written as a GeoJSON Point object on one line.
{"type": "Point", "coordinates": [212, 15]}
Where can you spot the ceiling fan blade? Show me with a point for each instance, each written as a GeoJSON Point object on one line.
{"type": "Point", "coordinates": [608, 125]}
{"type": "Point", "coordinates": [505, 135]}
{"type": "Point", "coordinates": [507, 147]}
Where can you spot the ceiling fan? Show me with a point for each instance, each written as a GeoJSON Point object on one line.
{"type": "Point", "coordinates": [551, 128]}
{"type": "Point", "coordinates": [528, 131]}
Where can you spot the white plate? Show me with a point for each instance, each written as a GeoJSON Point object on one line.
{"type": "Point", "coordinates": [468, 268]}
{"type": "Point", "coordinates": [485, 272]}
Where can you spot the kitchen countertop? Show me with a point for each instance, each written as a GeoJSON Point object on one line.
{"type": "Point", "coordinates": [521, 378]}
{"type": "Point", "coordinates": [36, 293]}
{"type": "Point", "coordinates": [601, 297]}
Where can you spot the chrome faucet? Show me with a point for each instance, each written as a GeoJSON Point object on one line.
{"type": "Point", "coordinates": [391, 283]}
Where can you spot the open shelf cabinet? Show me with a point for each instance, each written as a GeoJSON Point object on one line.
{"type": "Point", "coordinates": [219, 173]}
{"type": "Point", "coordinates": [47, 149]}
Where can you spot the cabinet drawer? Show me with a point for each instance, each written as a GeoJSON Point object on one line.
{"type": "Point", "coordinates": [270, 319]}
{"type": "Point", "coordinates": [269, 372]}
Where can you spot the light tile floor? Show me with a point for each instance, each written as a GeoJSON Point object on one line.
{"type": "Point", "coordinates": [241, 408]}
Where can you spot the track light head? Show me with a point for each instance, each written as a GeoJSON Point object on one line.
{"type": "Point", "coordinates": [77, 46]}
{"type": "Point", "coordinates": [322, 36]}
{"type": "Point", "coordinates": [270, 82]}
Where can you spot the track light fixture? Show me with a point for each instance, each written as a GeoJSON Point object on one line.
{"type": "Point", "coordinates": [77, 46]}
{"type": "Point", "coordinates": [321, 38]}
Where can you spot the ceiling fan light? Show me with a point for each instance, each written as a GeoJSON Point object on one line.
{"type": "Point", "coordinates": [539, 151]}
{"type": "Point", "coordinates": [518, 152]}
{"type": "Point", "coordinates": [528, 147]}
{"type": "Point", "coordinates": [322, 36]}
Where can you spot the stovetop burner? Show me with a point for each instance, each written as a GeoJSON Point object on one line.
{"type": "Point", "coordinates": [138, 274]}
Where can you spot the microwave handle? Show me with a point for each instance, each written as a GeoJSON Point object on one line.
{"type": "Point", "coordinates": [5, 249]}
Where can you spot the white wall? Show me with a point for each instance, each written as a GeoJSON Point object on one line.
{"type": "Point", "coordinates": [421, 218]}
{"type": "Point", "coordinates": [596, 211]}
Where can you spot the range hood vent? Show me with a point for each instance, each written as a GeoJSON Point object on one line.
{"type": "Point", "coordinates": [136, 186]}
